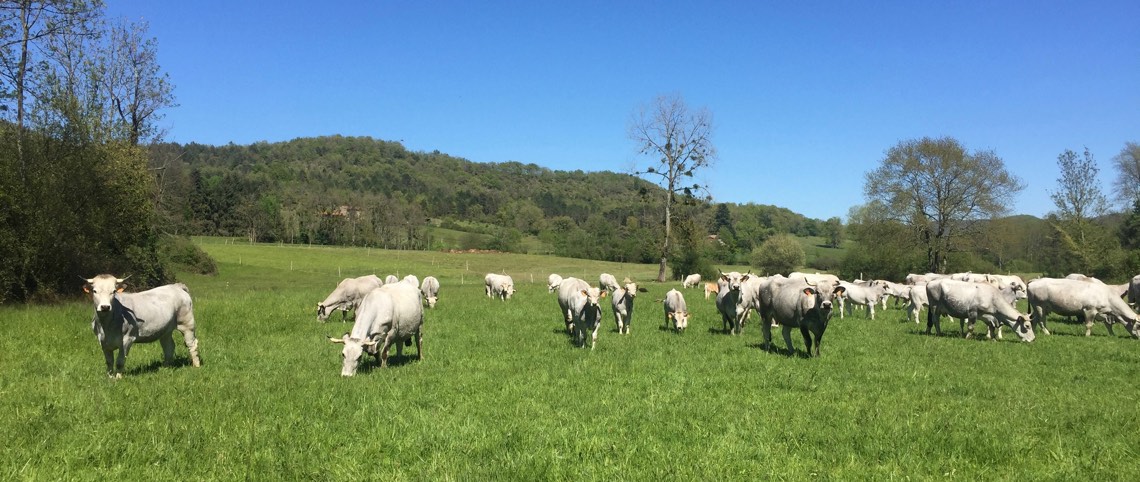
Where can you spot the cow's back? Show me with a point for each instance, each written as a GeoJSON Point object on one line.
{"type": "Point", "coordinates": [407, 309]}
{"type": "Point", "coordinates": [155, 311]}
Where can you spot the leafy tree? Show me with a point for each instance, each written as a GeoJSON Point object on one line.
{"type": "Point", "coordinates": [1078, 197]}
{"type": "Point", "coordinates": [833, 231]}
{"type": "Point", "coordinates": [939, 190]}
{"type": "Point", "coordinates": [884, 247]}
{"type": "Point", "coordinates": [680, 143]}
{"type": "Point", "coordinates": [1127, 183]}
{"type": "Point", "coordinates": [779, 254]}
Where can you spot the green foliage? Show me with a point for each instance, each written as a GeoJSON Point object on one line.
{"type": "Point", "coordinates": [779, 254]}
{"type": "Point", "coordinates": [182, 255]}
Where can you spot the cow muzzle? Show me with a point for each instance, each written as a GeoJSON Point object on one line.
{"type": "Point", "coordinates": [104, 308]}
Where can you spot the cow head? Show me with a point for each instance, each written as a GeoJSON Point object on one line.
{"type": "Point", "coordinates": [431, 301]}
{"type": "Point", "coordinates": [680, 320]}
{"type": "Point", "coordinates": [733, 279]}
{"type": "Point", "coordinates": [103, 289]}
{"type": "Point", "coordinates": [322, 312]}
{"type": "Point", "coordinates": [509, 289]}
{"type": "Point", "coordinates": [1024, 328]}
{"type": "Point", "coordinates": [353, 349]}
{"type": "Point", "coordinates": [823, 292]}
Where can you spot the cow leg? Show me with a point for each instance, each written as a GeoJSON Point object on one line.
{"type": "Point", "coordinates": [594, 335]}
{"type": "Point", "coordinates": [186, 326]}
{"type": "Point", "coordinates": [121, 360]}
{"type": "Point", "coordinates": [871, 310]}
{"type": "Point", "coordinates": [807, 341]}
{"type": "Point", "coordinates": [109, 357]}
{"type": "Point", "coordinates": [787, 332]}
{"type": "Point", "coordinates": [167, 342]}
{"type": "Point", "coordinates": [967, 326]}
{"type": "Point", "coordinates": [420, 345]}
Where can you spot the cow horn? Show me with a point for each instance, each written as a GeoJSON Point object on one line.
{"type": "Point", "coordinates": [336, 340]}
{"type": "Point", "coordinates": [120, 280]}
{"type": "Point", "coordinates": [369, 342]}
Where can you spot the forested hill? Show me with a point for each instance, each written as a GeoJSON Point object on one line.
{"type": "Point", "coordinates": [363, 191]}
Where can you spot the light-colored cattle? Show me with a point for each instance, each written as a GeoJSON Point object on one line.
{"type": "Point", "coordinates": [893, 290]}
{"type": "Point", "coordinates": [728, 301]}
{"type": "Point", "coordinates": [585, 314]}
{"type": "Point", "coordinates": [1011, 280]}
{"type": "Point", "coordinates": [1085, 300]}
{"type": "Point", "coordinates": [499, 286]}
{"type": "Point", "coordinates": [1081, 277]}
{"type": "Point", "coordinates": [552, 282]}
{"type": "Point", "coordinates": [566, 294]}
{"type": "Point", "coordinates": [623, 304]}
{"type": "Point", "coordinates": [866, 294]}
{"type": "Point", "coordinates": [676, 311]}
{"type": "Point", "coordinates": [123, 319]}
{"type": "Point", "coordinates": [412, 280]}
{"type": "Point", "coordinates": [916, 299]}
{"type": "Point", "coordinates": [347, 295]}
{"type": "Point", "coordinates": [813, 277]}
{"type": "Point", "coordinates": [969, 301]}
{"type": "Point", "coordinates": [711, 289]}
{"type": "Point", "coordinates": [923, 279]}
{"type": "Point", "coordinates": [797, 303]}
{"type": "Point", "coordinates": [389, 315]}
{"type": "Point", "coordinates": [691, 281]}
{"type": "Point", "coordinates": [607, 282]}
{"type": "Point", "coordinates": [430, 290]}
{"type": "Point", "coordinates": [1134, 290]}
{"type": "Point", "coordinates": [391, 279]}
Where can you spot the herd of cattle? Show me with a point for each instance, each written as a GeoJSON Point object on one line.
{"type": "Point", "coordinates": [390, 312]}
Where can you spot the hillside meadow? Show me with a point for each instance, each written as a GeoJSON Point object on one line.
{"type": "Point", "coordinates": [502, 394]}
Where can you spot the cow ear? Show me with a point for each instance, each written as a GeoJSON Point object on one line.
{"type": "Point", "coordinates": [809, 291]}
{"type": "Point", "coordinates": [587, 293]}
{"type": "Point", "coordinates": [119, 289]}
{"type": "Point", "coordinates": [603, 295]}
{"type": "Point", "coordinates": [669, 315]}
{"type": "Point", "coordinates": [86, 288]}
{"type": "Point", "coordinates": [840, 290]}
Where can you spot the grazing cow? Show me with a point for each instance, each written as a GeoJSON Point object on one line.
{"type": "Point", "coordinates": [866, 294]}
{"type": "Point", "coordinates": [728, 301]}
{"type": "Point", "coordinates": [1016, 284]}
{"type": "Point", "coordinates": [969, 301]}
{"type": "Point", "coordinates": [797, 303]}
{"type": "Point", "coordinates": [430, 290]}
{"type": "Point", "coordinates": [585, 314]}
{"type": "Point", "coordinates": [499, 286]}
{"type": "Point", "coordinates": [916, 296]}
{"type": "Point", "coordinates": [123, 319]}
{"type": "Point", "coordinates": [389, 315]}
{"type": "Point", "coordinates": [347, 296]}
{"type": "Point", "coordinates": [676, 312]}
{"type": "Point", "coordinates": [391, 279]}
{"type": "Point", "coordinates": [894, 290]}
{"type": "Point", "coordinates": [1134, 290]}
{"type": "Point", "coordinates": [711, 289]}
{"type": "Point", "coordinates": [1085, 300]}
{"type": "Point", "coordinates": [607, 282]}
{"type": "Point", "coordinates": [1081, 277]}
{"type": "Point", "coordinates": [623, 304]}
{"type": "Point", "coordinates": [412, 280]}
{"type": "Point", "coordinates": [691, 281]}
{"type": "Point", "coordinates": [552, 282]}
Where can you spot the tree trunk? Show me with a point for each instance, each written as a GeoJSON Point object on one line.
{"type": "Point", "coordinates": [668, 233]}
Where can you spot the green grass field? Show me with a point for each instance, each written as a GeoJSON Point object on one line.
{"type": "Point", "coordinates": [502, 394]}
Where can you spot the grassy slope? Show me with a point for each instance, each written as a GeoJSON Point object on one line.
{"type": "Point", "coordinates": [502, 394]}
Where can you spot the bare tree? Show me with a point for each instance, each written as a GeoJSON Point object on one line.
{"type": "Point", "coordinates": [1078, 197]}
{"type": "Point", "coordinates": [940, 191]}
{"type": "Point", "coordinates": [133, 81]}
{"type": "Point", "coordinates": [1127, 184]}
{"type": "Point", "coordinates": [680, 143]}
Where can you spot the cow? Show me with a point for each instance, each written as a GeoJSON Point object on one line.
{"type": "Point", "coordinates": [347, 296]}
{"type": "Point", "coordinates": [607, 282]}
{"type": "Point", "coordinates": [711, 289]}
{"type": "Point", "coordinates": [728, 301]}
{"type": "Point", "coordinates": [798, 303]}
{"type": "Point", "coordinates": [676, 312]}
{"type": "Point", "coordinates": [916, 299]}
{"type": "Point", "coordinates": [389, 315]}
{"type": "Point", "coordinates": [499, 286]}
{"type": "Point", "coordinates": [566, 293]}
{"type": "Point", "coordinates": [412, 280]}
{"type": "Point", "coordinates": [1134, 290]}
{"type": "Point", "coordinates": [391, 279]}
{"type": "Point", "coordinates": [923, 279]}
{"type": "Point", "coordinates": [865, 294]}
{"type": "Point", "coordinates": [691, 281]}
{"type": "Point", "coordinates": [894, 290]}
{"type": "Point", "coordinates": [585, 314]}
{"type": "Point", "coordinates": [1085, 300]}
{"type": "Point", "coordinates": [123, 319]}
{"type": "Point", "coordinates": [969, 301]}
{"type": "Point", "coordinates": [552, 282]}
{"type": "Point", "coordinates": [1011, 280]}
{"type": "Point", "coordinates": [430, 290]}
{"type": "Point", "coordinates": [623, 304]}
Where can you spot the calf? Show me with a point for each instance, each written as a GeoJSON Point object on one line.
{"type": "Point", "coordinates": [623, 305]}
{"type": "Point", "coordinates": [123, 319]}
{"type": "Point", "coordinates": [711, 289]}
{"type": "Point", "coordinates": [676, 312]}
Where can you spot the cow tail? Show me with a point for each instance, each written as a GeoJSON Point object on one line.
{"type": "Point", "coordinates": [184, 287]}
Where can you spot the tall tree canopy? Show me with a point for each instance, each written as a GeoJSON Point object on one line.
{"type": "Point", "coordinates": [939, 189]}
{"type": "Point", "coordinates": [678, 142]}
{"type": "Point", "coordinates": [1127, 184]}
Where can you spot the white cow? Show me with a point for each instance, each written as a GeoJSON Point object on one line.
{"type": "Point", "coordinates": [1085, 300]}
{"type": "Point", "coordinates": [728, 300]}
{"type": "Point", "coordinates": [607, 282]}
{"type": "Point", "coordinates": [430, 290]}
{"type": "Point", "coordinates": [623, 304]}
{"type": "Point", "coordinates": [676, 312]}
{"type": "Point", "coordinates": [866, 294]}
{"type": "Point", "coordinates": [566, 293]}
{"type": "Point", "coordinates": [347, 295]}
{"type": "Point", "coordinates": [499, 286]}
{"type": "Point", "coordinates": [896, 290]}
{"type": "Point", "coordinates": [916, 297]}
{"type": "Point", "coordinates": [1134, 290]}
{"type": "Point", "coordinates": [691, 281]}
{"type": "Point", "coordinates": [552, 282]}
{"type": "Point", "coordinates": [969, 301]}
{"type": "Point", "coordinates": [1011, 280]}
{"type": "Point", "coordinates": [123, 319]}
{"type": "Point", "coordinates": [412, 280]}
{"type": "Point", "coordinates": [391, 279]}
{"type": "Point", "coordinates": [586, 314]}
{"type": "Point", "coordinates": [389, 315]}
{"type": "Point", "coordinates": [797, 303]}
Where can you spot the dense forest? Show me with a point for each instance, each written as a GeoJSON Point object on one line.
{"type": "Point", "coordinates": [366, 192]}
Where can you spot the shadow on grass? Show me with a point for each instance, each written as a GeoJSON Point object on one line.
{"type": "Point", "coordinates": [156, 364]}
{"type": "Point", "coordinates": [775, 350]}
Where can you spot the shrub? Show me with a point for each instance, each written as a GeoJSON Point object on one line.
{"type": "Point", "coordinates": [181, 254]}
{"type": "Point", "coordinates": [779, 254]}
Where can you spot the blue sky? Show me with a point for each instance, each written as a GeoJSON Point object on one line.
{"type": "Point", "coordinates": [806, 97]}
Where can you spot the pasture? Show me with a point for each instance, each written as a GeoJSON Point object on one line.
{"type": "Point", "coordinates": [502, 394]}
